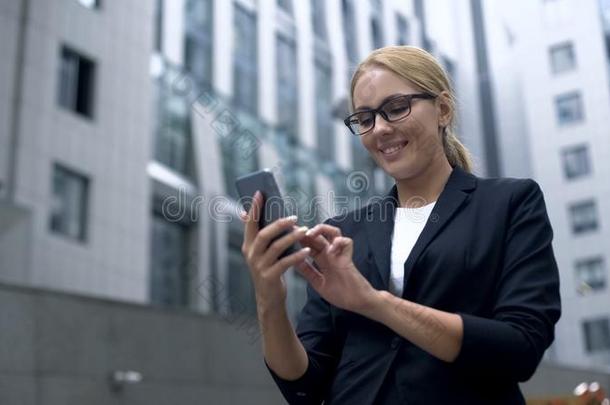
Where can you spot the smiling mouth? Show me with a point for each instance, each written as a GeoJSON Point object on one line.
{"type": "Point", "coordinates": [393, 149]}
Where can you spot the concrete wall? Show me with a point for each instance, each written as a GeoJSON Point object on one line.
{"type": "Point", "coordinates": [59, 349]}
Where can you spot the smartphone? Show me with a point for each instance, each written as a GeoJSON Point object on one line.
{"type": "Point", "coordinates": [273, 204]}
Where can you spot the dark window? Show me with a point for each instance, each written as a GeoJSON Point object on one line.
{"type": "Point", "coordinates": [245, 66]}
{"type": "Point", "coordinates": [69, 203]}
{"type": "Point", "coordinates": [569, 108]}
{"type": "Point", "coordinates": [76, 82]}
{"type": "Point", "coordinates": [583, 217]}
{"type": "Point", "coordinates": [287, 93]}
{"type": "Point", "coordinates": [402, 28]}
{"type": "Point", "coordinates": [318, 17]}
{"type": "Point", "coordinates": [349, 31]}
{"type": "Point", "coordinates": [597, 335]}
{"type": "Point", "coordinates": [285, 5]}
{"type": "Point", "coordinates": [169, 263]}
{"type": "Point", "coordinates": [198, 40]}
{"type": "Point", "coordinates": [376, 26]}
{"type": "Point", "coordinates": [562, 58]}
{"type": "Point", "coordinates": [324, 121]}
{"type": "Point", "coordinates": [591, 274]}
{"type": "Point", "coordinates": [576, 162]}
{"type": "Point", "coordinates": [240, 292]}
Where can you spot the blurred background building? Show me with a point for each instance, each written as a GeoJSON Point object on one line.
{"type": "Point", "coordinates": [123, 125]}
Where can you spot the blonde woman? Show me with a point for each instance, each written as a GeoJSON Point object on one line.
{"type": "Point", "coordinates": [444, 292]}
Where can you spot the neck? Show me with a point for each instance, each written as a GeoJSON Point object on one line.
{"type": "Point", "coordinates": [425, 187]}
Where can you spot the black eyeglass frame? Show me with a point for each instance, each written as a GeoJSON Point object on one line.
{"type": "Point", "coordinates": [380, 110]}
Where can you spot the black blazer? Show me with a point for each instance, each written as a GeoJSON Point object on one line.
{"type": "Point", "coordinates": [485, 253]}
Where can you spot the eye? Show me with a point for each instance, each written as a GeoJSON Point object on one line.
{"type": "Point", "coordinates": [365, 121]}
{"type": "Point", "coordinates": [397, 108]}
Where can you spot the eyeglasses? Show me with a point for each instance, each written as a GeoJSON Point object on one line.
{"type": "Point", "coordinates": [393, 109]}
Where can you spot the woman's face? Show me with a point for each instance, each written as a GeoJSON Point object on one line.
{"type": "Point", "coordinates": [408, 147]}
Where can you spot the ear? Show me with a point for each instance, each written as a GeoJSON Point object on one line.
{"type": "Point", "coordinates": [444, 109]}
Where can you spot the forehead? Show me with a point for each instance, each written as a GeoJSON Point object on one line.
{"type": "Point", "coordinates": [377, 83]}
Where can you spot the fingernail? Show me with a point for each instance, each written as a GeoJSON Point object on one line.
{"type": "Point", "coordinates": [307, 250]}
{"type": "Point", "coordinates": [257, 194]}
{"type": "Point", "coordinates": [292, 218]}
{"type": "Point", "coordinates": [302, 229]}
{"type": "Point", "coordinates": [309, 232]}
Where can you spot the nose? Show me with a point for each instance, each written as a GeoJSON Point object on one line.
{"type": "Point", "coordinates": [382, 127]}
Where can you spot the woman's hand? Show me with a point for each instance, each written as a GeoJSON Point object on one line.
{"type": "Point", "coordinates": [262, 252]}
{"type": "Point", "coordinates": [337, 279]}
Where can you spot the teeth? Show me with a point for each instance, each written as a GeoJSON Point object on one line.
{"type": "Point", "coordinates": [393, 148]}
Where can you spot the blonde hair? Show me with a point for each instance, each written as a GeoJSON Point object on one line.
{"type": "Point", "coordinates": [422, 69]}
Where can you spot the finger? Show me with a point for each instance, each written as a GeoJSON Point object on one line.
{"type": "Point", "coordinates": [317, 244]}
{"type": "Point", "coordinates": [279, 245]}
{"type": "Point", "coordinates": [251, 227]}
{"type": "Point", "coordinates": [328, 231]}
{"type": "Point", "coordinates": [340, 245]}
{"type": "Point", "coordinates": [311, 274]}
{"type": "Point", "coordinates": [286, 262]}
{"type": "Point", "coordinates": [270, 232]}
{"type": "Point", "coordinates": [243, 216]}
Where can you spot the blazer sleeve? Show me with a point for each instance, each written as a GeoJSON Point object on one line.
{"type": "Point", "coordinates": [527, 306]}
{"type": "Point", "coordinates": [317, 331]}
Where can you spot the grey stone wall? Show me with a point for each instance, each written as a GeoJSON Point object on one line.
{"type": "Point", "coordinates": [59, 349]}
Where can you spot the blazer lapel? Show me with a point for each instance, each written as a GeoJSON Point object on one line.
{"type": "Point", "coordinates": [450, 200]}
{"type": "Point", "coordinates": [380, 225]}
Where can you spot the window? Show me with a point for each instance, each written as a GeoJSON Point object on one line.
{"type": "Point", "coordinates": [583, 217]}
{"type": "Point", "coordinates": [402, 28]}
{"type": "Point", "coordinates": [576, 162]}
{"type": "Point", "coordinates": [198, 40]}
{"type": "Point", "coordinates": [90, 3]}
{"type": "Point", "coordinates": [285, 5]}
{"type": "Point", "coordinates": [591, 274]}
{"type": "Point", "coordinates": [376, 30]}
{"type": "Point", "coordinates": [245, 66]}
{"type": "Point", "coordinates": [242, 300]}
{"type": "Point", "coordinates": [173, 132]}
{"type": "Point", "coordinates": [170, 264]}
{"type": "Point", "coordinates": [349, 31]}
{"type": "Point", "coordinates": [318, 18]}
{"type": "Point", "coordinates": [569, 108]}
{"type": "Point", "coordinates": [324, 120]}
{"type": "Point", "coordinates": [562, 58]}
{"type": "Point", "coordinates": [69, 203]}
{"type": "Point", "coordinates": [76, 82]}
{"type": "Point", "coordinates": [287, 97]}
{"type": "Point", "coordinates": [597, 335]}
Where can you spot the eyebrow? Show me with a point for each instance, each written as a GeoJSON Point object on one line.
{"type": "Point", "coordinates": [365, 107]}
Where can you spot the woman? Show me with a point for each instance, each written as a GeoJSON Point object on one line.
{"type": "Point", "coordinates": [444, 292]}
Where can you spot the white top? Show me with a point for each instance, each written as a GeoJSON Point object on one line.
{"type": "Point", "coordinates": [408, 225]}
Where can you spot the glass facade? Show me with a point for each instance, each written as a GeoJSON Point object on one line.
{"type": "Point", "coordinates": [324, 120]}
{"type": "Point", "coordinates": [402, 28]}
{"type": "Point", "coordinates": [245, 62]}
{"type": "Point", "coordinates": [173, 146]}
{"type": "Point", "coordinates": [287, 90]}
{"type": "Point", "coordinates": [198, 40]}
{"type": "Point", "coordinates": [169, 263]}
